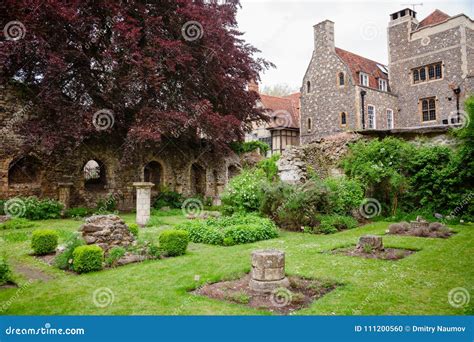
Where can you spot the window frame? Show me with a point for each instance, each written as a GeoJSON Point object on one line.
{"type": "Point", "coordinates": [384, 82]}
{"type": "Point", "coordinates": [341, 77]}
{"type": "Point", "coordinates": [374, 119]}
{"type": "Point", "coordinates": [364, 76]}
{"type": "Point", "coordinates": [308, 87]}
{"type": "Point", "coordinates": [341, 115]}
{"type": "Point", "coordinates": [390, 123]}
{"type": "Point", "coordinates": [429, 109]}
{"type": "Point", "coordinates": [309, 123]}
{"type": "Point", "coordinates": [427, 73]}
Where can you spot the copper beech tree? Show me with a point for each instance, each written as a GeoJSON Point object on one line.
{"type": "Point", "coordinates": [142, 71]}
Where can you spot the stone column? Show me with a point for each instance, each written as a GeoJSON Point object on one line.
{"type": "Point", "coordinates": [143, 202]}
{"type": "Point", "coordinates": [268, 271]}
{"type": "Point", "coordinates": [64, 193]}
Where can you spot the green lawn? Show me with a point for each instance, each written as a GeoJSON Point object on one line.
{"type": "Point", "coordinates": [416, 285]}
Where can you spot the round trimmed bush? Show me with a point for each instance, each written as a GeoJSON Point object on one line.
{"type": "Point", "coordinates": [87, 258]}
{"type": "Point", "coordinates": [44, 241]}
{"type": "Point", "coordinates": [174, 242]}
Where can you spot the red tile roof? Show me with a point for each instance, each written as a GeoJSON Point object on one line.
{"type": "Point", "coordinates": [434, 18]}
{"type": "Point", "coordinates": [359, 64]}
{"type": "Point", "coordinates": [285, 110]}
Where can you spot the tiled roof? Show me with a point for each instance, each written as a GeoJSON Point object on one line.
{"type": "Point", "coordinates": [434, 18]}
{"type": "Point", "coordinates": [359, 64]}
{"type": "Point", "coordinates": [285, 110]}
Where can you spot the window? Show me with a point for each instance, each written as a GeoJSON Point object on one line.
{"type": "Point", "coordinates": [341, 78]}
{"type": "Point", "coordinates": [428, 109]}
{"type": "Point", "coordinates": [94, 175]}
{"type": "Point", "coordinates": [371, 116]}
{"type": "Point", "coordinates": [343, 119]}
{"type": "Point", "coordinates": [428, 73]}
{"type": "Point", "coordinates": [310, 124]}
{"type": "Point", "coordinates": [283, 138]}
{"type": "Point", "coordinates": [389, 119]}
{"type": "Point", "coordinates": [382, 84]}
{"type": "Point", "coordinates": [364, 79]}
{"type": "Point", "coordinates": [308, 87]}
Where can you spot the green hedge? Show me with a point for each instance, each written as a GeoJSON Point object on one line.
{"type": "Point", "coordinates": [33, 208]}
{"type": "Point", "coordinates": [174, 242]}
{"type": "Point", "coordinates": [231, 230]}
{"type": "Point", "coordinates": [87, 258]}
{"type": "Point", "coordinates": [44, 241]}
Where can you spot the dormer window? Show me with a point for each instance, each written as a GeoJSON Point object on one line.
{"type": "Point", "coordinates": [383, 84]}
{"type": "Point", "coordinates": [364, 79]}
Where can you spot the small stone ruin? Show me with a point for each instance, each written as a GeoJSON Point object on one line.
{"type": "Point", "coordinates": [268, 271]}
{"type": "Point", "coordinates": [370, 242]}
{"type": "Point", "coordinates": [419, 223]}
{"type": "Point", "coordinates": [106, 231]}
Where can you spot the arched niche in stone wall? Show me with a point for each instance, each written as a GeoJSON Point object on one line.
{"type": "Point", "coordinates": [232, 171]}
{"type": "Point", "coordinates": [153, 172]}
{"type": "Point", "coordinates": [24, 170]}
{"type": "Point", "coordinates": [198, 180]}
{"type": "Point", "coordinates": [95, 175]}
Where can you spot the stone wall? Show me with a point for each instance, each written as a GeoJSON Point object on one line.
{"type": "Point", "coordinates": [176, 164]}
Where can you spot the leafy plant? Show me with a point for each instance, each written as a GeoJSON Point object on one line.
{"type": "Point", "coordinates": [65, 258]}
{"type": "Point", "coordinates": [78, 212]}
{"type": "Point", "coordinates": [270, 167]}
{"type": "Point", "coordinates": [18, 223]}
{"type": "Point", "coordinates": [174, 242]}
{"type": "Point", "coordinates": [114, 255]}
{"type": "Point", "coordinates": [333, 223]}
{"type": "Point", "coordinates": [344, 194]}
{"type": "Point", "coordinates": [87, 258]}
{"type": "Point", "coordinates": [44, 241]}
{"type": "Point", "coordinates": [36, 209]}
{"type": "Point", "coordinates": [168, 198]}
{"type": "Point", "coordinates": [134, 229]}
{"type": "Point", "coordinates": [244, 192]}
{"type": "Point", "coordinates": [5, 272]}
{"type": "Point", "coordinates": [230, 230]}
{"type": "Point", "coordinates": [249, 146]}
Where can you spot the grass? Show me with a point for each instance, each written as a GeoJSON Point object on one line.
{"type": "Point", "coordinates": [416, 285]}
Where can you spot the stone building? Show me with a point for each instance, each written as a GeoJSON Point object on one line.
{"type": "Point", "coordinates": [95, 170]}
{"type": "Point", "coordinates": [282, 129]}
{"type": "Point", "coordinates": [430, 72]}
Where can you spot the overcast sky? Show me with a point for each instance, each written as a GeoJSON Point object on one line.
{"type": "Point", "coordinates": [283, 29]}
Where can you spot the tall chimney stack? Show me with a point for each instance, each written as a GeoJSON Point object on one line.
{"type": "Point", "coordinates": [324, 35]}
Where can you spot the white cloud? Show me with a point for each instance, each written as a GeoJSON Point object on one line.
{"type": "Point", "coordinates": [283, 30]}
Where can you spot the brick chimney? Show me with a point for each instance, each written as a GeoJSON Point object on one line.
{"type": "Point", "coordinates": [324, 35]}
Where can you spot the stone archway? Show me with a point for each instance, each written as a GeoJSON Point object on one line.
{"type": "Point", "coordinates": [24, 170]}
{"type": "Point", "coordinates": [95, 176]}
{"type": "Point", "coordinates": [198, 180]}
{"type": "Point", "coordinates": [153, 173]}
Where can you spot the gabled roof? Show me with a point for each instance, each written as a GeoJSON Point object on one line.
{"type": "Point", "coordinates": [285, 110]}
{"type": "Point", "coordinates": [434, 18]}
{"type": "Point", "coordinates": [357, 64]}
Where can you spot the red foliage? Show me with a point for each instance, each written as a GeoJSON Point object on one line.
{"type": "Point", "coordinates": [133, 59]}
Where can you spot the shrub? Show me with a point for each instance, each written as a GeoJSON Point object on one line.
{"type": "Point", "coordinates": [249, 146]}
{"type": "Point", "coordinates": [64, 259]}
{"type": "Point", "coordinates": [155, 251]}
{"type": "Point", "coordinates": [335, 223]}
{"type": "Point", "coordinates": [167, 198]}
{"type": "Point", "coordinates": [301, 208]}
{"type": "Point", "coordinates": [244, 192]}
{"type": "Point", "coordinates": [77, 212]}
{"type": "Point", "coordinates": [274, 197]}
{"type": "Point", "coordinates": [5, 272]}
{"type": "Point", "coordinates": [87, 258]}
{"type": "Point", "coordinates": [174, 242]}
{"type": "Point", "coordinates": [36, 209]}
{"type": "Point", "coordinates": [107, 204]}
{"type": "Point", "coordinates": [17, 223]}
{"type": "Point", "coordinates": [344, 194]}
{"type": "Point", "coordinates": [134, 229]}
{"type": "Point", "coordinates": [398, 228]}
{"type": "Point", "coordinates": [229, 231]}
{"type": "Point", "coordinates": [44, 241]}
{"type": "Point", "coordinates": [270, 167]}
{"type": "Point", "coordinates": [114, 255]}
